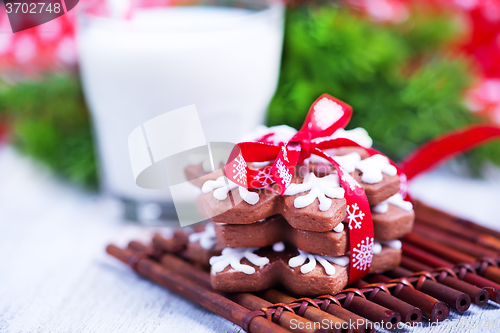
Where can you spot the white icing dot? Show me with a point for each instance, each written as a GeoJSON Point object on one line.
{"type": "Point", "coordinates": [221, 189]}
{"type": "Point", "coordinates": [395, 244]}
{"type": "Point", "coordinates": [396, 200]}
{"type": "Point", "coordinates": [233, 256]}
{"type": "Point", "coordinates": [206, 238]}
{"type": "Point", "coordinates": [377, 248]}
{"type": "Point", "coordinates": [325, 261]}
{"type": "Point", "coordinates": [279, 247]}
{"type": "Point", "coordinates": [373, 167]}
{"type": "Point", "coordinates": [320, 188]}
{"type": "Point", "coordinates": [339, 227]}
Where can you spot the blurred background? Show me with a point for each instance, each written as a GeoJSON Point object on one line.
{"type": "Point", "coordinates": [72, 90]}
{"type": "Point", "coordinates": [411, 70]}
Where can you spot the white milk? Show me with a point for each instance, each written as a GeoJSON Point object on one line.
{"type": "Point", "coordinates": [224, 60]}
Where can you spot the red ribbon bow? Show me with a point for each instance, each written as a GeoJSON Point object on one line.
{"type": "Point", "coordinates": [325, 117]}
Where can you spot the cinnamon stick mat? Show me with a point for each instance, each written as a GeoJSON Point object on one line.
{"type": "Point", "coordinates": [447, 263]}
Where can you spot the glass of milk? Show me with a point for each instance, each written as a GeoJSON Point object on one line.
{"type": "Point", "coordinates": [140, 61]}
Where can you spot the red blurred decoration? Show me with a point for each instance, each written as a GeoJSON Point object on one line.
{"type": "Point", "coordinates": [484, 47]}
{"type": "Point", "coordinates": [45, 47]}
{"type": "Point", "coordinates": [481, 44]}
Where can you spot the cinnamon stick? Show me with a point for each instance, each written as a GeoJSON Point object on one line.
{"type": "Point", "coordinates": [432, 308]}
{"type": "Point", "coordinates": [357, 323]}
{"type": "Point", "coordinates": [479, 296]}
{"type": "Point", "coordinates": [193, 291]}
{"type": "Point", "coordinates": [490, 272]}
{"type": "Point", "coordinates": [455, 299]}
{"type": "Point", "coordinates": [311, 313]}
{"type": "Point", "coordinates": [454, 225]}
{"type": "Point", "coordinates": [409, 313]}
{"type": "Point", "coordinates": [175, 244]}
{"type": "Point", "coordinates": [247, 300]}
{"type": "Point", "coordinates": [335, 314]}
{"type": "Point", "coordinates": [455, 242]}
{"type": "Point", "coordinates": [340, 312]}
{"type": "Point", "coordinates": [491, 287]}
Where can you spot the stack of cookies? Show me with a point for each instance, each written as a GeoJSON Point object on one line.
{"type": "Point", "coordinates": [300, 240]}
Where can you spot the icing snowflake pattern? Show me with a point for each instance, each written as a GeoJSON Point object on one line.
{"type": "Point", "coordinates": [362, 254]}
{"type": "Point", "coordinates": [286, 176]}
{"type": "Point", "coordinates": [265, 177]}
{"type": "Point", "coordinates": [232, 257]}
{"type": "Point", "coordinates": [325, 261]}
{"type": "Point", "coordinates": [221, 189]}
{"type": "Point", "coordinates": [354, 216]}
{"type": "Point", "coordinates": [326, 113]}
{"type": "Point", "coordinates": [320, 188]}
{"type": "Point", "coordinates": [239, 169]}
{"type": "Point", "coordinates": [206, 238]}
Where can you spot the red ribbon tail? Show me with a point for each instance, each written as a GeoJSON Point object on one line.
{"type": "Point", "coordinates": [446, 147]}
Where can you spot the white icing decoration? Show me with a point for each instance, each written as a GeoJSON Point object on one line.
{"type": "Point", "coordinates": [282, 133]}
{"type": "Point", "coordinates": [372, 168]}
{"type": "Point", "coordinates": [325, 261]}
{"type": "Point", "coordinates": [232, 257]}
{"type": "Point", "coordinates": [327, 112]}
{"type": "Point", "coordinates": [395, 244]}
{"type": "Point", "coordinates": [279, 247]}
{"type": "Point", "coordinates": [396, 200]}
{"type": "Point", "coordinates": [346, 161]}
{"type": "Point", "coordinates": [339, 227]}
{"type": "Point", "coordinates": [377, 248]}
{"type": "Point", "coordinates": [381, 208]}
{"type": "Point", "coordinates": [320, 188]}
{"type": "Point", "coordinates": [358, 135]}
{"type": "Point", "coordinates": [341, 261]}
{"type": "Point", "coordinates": [221, 189]}
{"type": "Point", "coordinates": [206, 238]}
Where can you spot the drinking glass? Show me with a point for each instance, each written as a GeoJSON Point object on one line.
{"type": "Point", "coordinates": [140, 61]}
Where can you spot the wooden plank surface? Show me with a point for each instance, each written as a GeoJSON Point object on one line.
{"type": "Point", "coordinates": [56, 277]}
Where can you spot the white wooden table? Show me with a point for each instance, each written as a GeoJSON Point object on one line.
{"type": "Point", "coordinates": [56, 277]}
